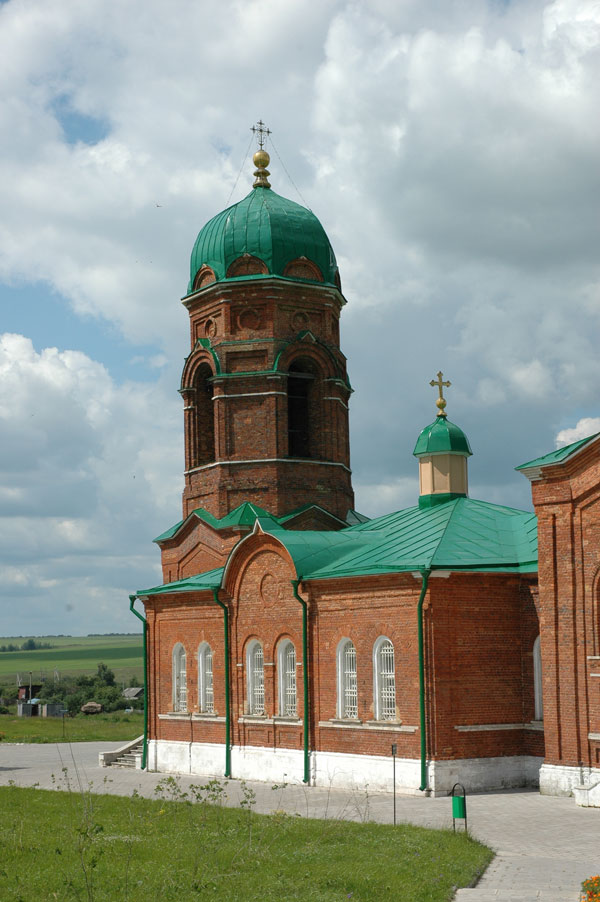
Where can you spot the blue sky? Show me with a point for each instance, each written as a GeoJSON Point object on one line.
{"type": "Point", "coordinates": [450, 151]}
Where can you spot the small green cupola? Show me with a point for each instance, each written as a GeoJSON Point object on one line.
{"type": "Point", "coordinates": [442, 449]}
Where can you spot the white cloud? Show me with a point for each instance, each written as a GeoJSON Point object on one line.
{"type": "Point", "coordinates": [582, 429]}
{"type": "Point", "coordinates": [86, 480]}
{"type": "Point", "coordinates": [450, 151]}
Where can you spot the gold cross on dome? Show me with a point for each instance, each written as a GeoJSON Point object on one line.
{"type": "Point", "coordinates": [441, 401]}
{"type": "Point", "coordinates": [262, 133]}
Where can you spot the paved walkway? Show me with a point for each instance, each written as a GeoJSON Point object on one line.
{"type": "Point", "coordinates": [545, 846]}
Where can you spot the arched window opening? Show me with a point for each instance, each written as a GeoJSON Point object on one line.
{"type": "Point", "coordinates": [205, 417]}
{"type": "Point", "coordinates": [537, 680]}
{"type": "Point", "coordinates": [287, 679]}
{"type": "Point", "coordinates": [301, 379]}
{"type": "Point", "coordinates": [179, 679]}
{"type": "Point", "coordinates": [385, 680]}
{"type": "Point", "coordinates": [206, 704]}
{"type": "Point", "coordinates": [347, 696]}
{"type": "Point", "coordinates": [255, 672]}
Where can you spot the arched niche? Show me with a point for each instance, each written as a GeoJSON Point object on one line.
{"type": "Point", "coordinates": [205, 276]}
{"type": "Point", "coordinates": [303, 268]}
{"type": "Point", "coordinates": [247, 265]}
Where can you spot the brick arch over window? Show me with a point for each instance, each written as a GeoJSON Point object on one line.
{"type": "Point", "coordinates": [247, 265]}
{"type": "Point", "coordinates": [205, 276]}
{"type": "Point", "coordinates": [303, 268]}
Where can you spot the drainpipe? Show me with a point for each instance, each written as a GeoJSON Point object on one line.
{"type": "Point", "coordinates": [227, 682]}
{"type": "Point", "coordinates": [295, 583]}
{"type": "Point", "coordinates": [422, 723]}
{"type": "Point", "coordinates": [132, 599]}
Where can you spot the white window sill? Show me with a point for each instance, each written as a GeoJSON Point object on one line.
{"type": "Point", "coordinates": [255, 719]}
{"type": "Point", "coordinates": [350, 724]}
{"type": "Point", "coordinates": [282, 719]}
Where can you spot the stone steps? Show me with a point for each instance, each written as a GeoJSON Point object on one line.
{"type": "Point", "coordinates": [130, 758]}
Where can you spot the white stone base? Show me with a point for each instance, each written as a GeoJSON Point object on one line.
{"type": "Point", "coordinates": [561, 780]}
{"type": "Point", "coordinates": [484, 774]}
{"type": "Point", "coordinates": [342, 771]}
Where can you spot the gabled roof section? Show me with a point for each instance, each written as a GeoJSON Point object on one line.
{"type": "Point", "coordinates": [200, 583]}
{"type": "Point", "coordinates": [460, 535]}
{"type": "Point", "coordinates": [244, 515]}
{"type": "Point", "coordinates": [556, 457]}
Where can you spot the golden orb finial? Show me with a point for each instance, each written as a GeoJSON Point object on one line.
{"type": "Point", "coordinates": [261, 158]}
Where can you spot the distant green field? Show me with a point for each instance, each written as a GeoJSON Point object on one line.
{"type": "Point", "coordinates": [73, 655]}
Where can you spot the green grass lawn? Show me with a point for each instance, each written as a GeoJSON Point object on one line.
{"type": "Point", "coordinates": [82, 728]}
{"type": "Point", "coordinates": [66, 846]}
{"type": "Point", "coordinates": [73, 655]}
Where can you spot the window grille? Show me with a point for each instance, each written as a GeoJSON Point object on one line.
{"type": "Point", "coordinates": [386, 681]}
{"type": "Point", "coordinates": [205, 671]}
{"type": "Point", "coordinates": [287, 664]}
{"type": "Point", "coordinates": [256, 695]}
{"type": "Point", "coordinates": [349, 682]}
{"type": "Point", "coordinates": [179, 680]}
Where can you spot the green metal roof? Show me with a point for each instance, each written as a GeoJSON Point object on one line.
{"type": "Point", "coordinates": [555, 457]}
{"type": "Point", "coordinates": [460, 535]}
{"type": "Point", "coordinates": [267, 226]}
{"type": "Point", "coordinates": [244, 514]}
{"type": "Point", "coordinates": [200, 583]}
{"type": "Point", "coordinates": [442, 437]}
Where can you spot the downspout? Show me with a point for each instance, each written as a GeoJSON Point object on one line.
{"type": "Point", "coordinates": [132, 599]}
{"type": "Point", "coordinates": [422, 722]}
{"type": "Point", "coordinates": [227, 683]}
{"type": "Point", "coordinates": [295, 583]}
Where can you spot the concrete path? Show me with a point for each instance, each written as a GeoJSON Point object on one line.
{"type": "Point", "coordinates": [545, 846]}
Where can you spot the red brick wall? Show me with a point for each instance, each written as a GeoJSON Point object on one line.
{"type": "Point", "coordinates": [567, 502]}
{"type": "Point", "coordinates": [479, 633]}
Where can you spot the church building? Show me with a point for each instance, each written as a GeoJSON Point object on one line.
{"type": "Point", "coordinates": [294, 640]}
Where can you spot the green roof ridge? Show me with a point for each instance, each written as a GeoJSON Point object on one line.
{"type": "Point", "coordinates": [554, 457]}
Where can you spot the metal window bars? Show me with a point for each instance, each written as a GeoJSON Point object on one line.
{"type": "Point", "coordinates": [289, 681]}
{"type": "Point", "coordinates": [386, 681]}
{"type": "Point", "coordinates": [208, 704]}
{"type": "Point", "coordinates": [350, 685]}
{"type": "Point", "coordinates": [257, 688]}
{"type": "Point", "coordinates": [180, 699]}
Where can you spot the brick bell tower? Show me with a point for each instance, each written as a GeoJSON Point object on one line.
{"type": "Point", "coordinates": [265, 388]}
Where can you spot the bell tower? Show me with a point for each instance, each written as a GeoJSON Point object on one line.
{"type": "Point", "coordinates": [265, 388]}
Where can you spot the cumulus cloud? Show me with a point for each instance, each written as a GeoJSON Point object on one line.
{"type": "Point", "coordinates": [582, 429]}
{"type": "Point", "coordinates": [86, 481]}
{"type": "Point", "coordinates": [450, 150]}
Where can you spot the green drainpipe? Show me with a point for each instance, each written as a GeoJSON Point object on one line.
{"type": "Point", "coordinates": [422, 723]}
{"type": "Point", "coordinates": [295, 583]}
{"type": "Point", "coordinates": [227, 682]}
{"type": "Point", "coordinates": [132, 599]}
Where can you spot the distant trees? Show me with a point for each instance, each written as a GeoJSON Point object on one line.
{"type": "Point", "coordinates": [28, 645]}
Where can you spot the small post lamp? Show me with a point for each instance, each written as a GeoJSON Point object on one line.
{"type": "Point", "coordinates": [394, 752]}
{"type": "Point", "coordinates": [459, 805]}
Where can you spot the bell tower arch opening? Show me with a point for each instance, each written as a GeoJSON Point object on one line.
{"type": "Point", "coordinates": [302, 384]}
{"type": "Point", "coordinates": [205, 419]}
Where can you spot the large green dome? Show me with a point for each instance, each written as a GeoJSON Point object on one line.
{"type": "Point", "coordinates": [267, 226]}
{"type": "Point", "coordinates": [442, 437]}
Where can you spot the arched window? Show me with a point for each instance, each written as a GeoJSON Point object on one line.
{"type": "Point", "coordinates": [384, 678]}
{"type": "Point", "coordinates": [347, 695]}
{"type": "Point", "coordinates": [205, 418]}
{"type": "Point", "coordinates": [255, 678]}
{"type": "Point", "coordinates": [286, 666]}
{"type": "Point", "coordinates": [206, 704]}
{"type": "Point", "coordinates": [301, 378]}
{"type": "Point", "coordinates": [537, 680]}
{"type": "Point", "coordinates": [179, 679]}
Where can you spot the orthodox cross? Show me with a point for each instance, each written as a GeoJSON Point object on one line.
{"type": "Point", "coordinates": [441, 401]}
{"type": "Point", "coordinates": [261, 132]}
